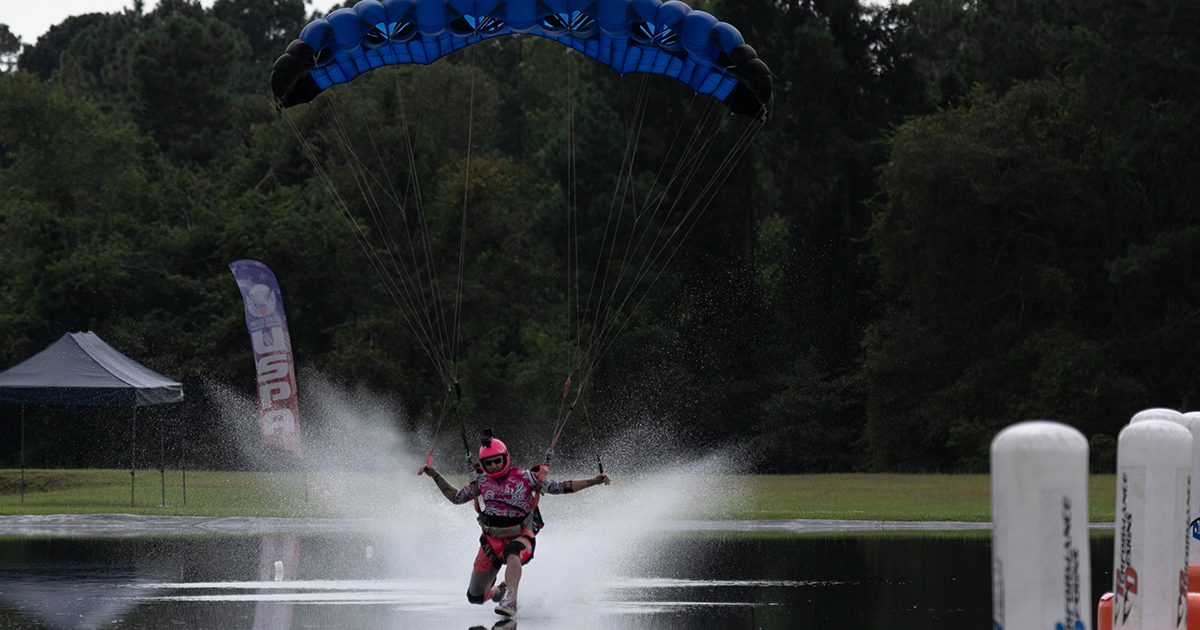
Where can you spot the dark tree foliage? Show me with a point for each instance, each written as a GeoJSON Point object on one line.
{"type": "Point", "coordinates": [1037, 245]}
{"type": "Point", "coordinates": [10, 46]}
{"type": "Point", "coordinates": [182, 77]}
{"type": "Point", "coordinates": [41, 58]}
{"type": "Point", "coordinates": [845, 76]}
{"type": "Point", "coordinates": [991, 241]}
{"type": "Point", "coordinates": [962, 215]}
{"type": "Point", "coordinates": [269, 25]}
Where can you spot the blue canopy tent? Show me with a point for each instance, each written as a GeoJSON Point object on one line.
{"type": "Point", "coordinates": [81, 369]}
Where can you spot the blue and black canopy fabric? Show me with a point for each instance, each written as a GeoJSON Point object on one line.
{"type": "Point", "coordinates": [648, 36]}
{"type": "Point", "coordinates": [81, 369]}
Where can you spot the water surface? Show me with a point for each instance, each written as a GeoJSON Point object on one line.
{"type": "Point", "coordinates": [893, 581]}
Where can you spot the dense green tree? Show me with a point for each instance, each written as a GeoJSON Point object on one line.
{"type": "Point", "coordinates": [10, 47]}
{"type": "Point", "coordinates": [1025, 237]}
{"type": "Point", "coordinates": [182, 75]}
{"type": "Point", "coordinates": [1001, 222]}
{"type": "Point", "coordinates": [41, 58]}
{"type": "Point", "coordinates": [960, 216]}
{"type": "Point", "coordinates": [74, 191]}
{"type": "Point", "coordinates": [269, 25]}
{"type": "Point", "coordinates": [988, 238]}
{"type": "Point", "coordinates": [94, 62]}
{"type": "Point", "coordinates": [845, 73]}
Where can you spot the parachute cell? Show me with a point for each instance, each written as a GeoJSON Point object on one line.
{"type": "Point", "coordinates": [647, 36]}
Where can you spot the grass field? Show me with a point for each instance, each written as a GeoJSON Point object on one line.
{"type": "Point", "coordinates": [893, 497]}
{"type": "Point", "coordinates": [107, 491]}
{"type": "Point", "coordinates": [840, 496]}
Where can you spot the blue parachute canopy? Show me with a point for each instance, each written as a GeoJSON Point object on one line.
{"type": "Point", "coordinates": [648, 36]}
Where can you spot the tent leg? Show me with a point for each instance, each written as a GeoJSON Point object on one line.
{"type": "Point", "coordinates": [22, 453]}
{"type": "Point", "coordinates": [132, 457]}
{"type": "Point", "coordinates": [162, 466]}
{"type": "Point", "coordinates": [183, 445]}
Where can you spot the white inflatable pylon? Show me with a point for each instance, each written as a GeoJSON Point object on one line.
{"type": "Point", "coordinates": [1150, 552]}
{"type": "Point", "coordinates": [1041, 565]}
{"type": "Point", "coordinates": [1191, 420]}
{"type": "Point", "coordinates": [1156, 413]}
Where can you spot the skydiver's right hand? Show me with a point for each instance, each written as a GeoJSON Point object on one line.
{"type": "Point", "coordinates": [426, 469]}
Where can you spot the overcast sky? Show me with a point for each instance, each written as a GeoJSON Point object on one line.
{"type": "Point", "coordinates": [30, 19]}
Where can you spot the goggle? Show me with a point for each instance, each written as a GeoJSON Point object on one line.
{"type": "Point", "coordinates": [497, 460]}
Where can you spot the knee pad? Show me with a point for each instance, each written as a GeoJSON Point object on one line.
{"type": "Point", "coordinates": [476, 599]}
{"type": "Point", "coordinates": [514, 548]}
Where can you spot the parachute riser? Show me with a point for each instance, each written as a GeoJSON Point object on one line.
{"type": "Point", "coordinates": [562, 423]}
{"type": "Point", "coordinates": [472, 465]}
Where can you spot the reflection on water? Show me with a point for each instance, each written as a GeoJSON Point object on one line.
{"type": "Point", "coordinates": [857, 581]}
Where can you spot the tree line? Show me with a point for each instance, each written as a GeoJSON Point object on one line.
{"type": "Point", "coordinates": [961, 215]}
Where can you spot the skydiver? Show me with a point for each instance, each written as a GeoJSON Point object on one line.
{"type": "Point", "coordinates": [509, 519]}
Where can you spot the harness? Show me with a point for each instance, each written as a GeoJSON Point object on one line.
{"type": "Point", "coordinates": [531, 525]}
{"type": "Point", "coordinates": [532, 522]}
{"type": "Point", "coordinates": [533, 519]}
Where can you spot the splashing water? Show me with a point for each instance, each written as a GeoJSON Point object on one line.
{"type": "Point", "coordinates": [362, 465]}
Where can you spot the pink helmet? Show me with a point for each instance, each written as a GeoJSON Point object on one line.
{"type": "Point", "coordinates": [491, 448]}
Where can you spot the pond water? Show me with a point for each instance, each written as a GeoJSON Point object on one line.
{"type": "Point", "coordinates": [860, 581]}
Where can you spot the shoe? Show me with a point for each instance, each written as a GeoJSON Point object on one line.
{"type": "Point", "coordinates": [507, 606]}
{"type": "Point", "coordinates": [500, 591]}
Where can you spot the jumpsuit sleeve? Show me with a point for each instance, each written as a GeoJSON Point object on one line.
{"type": "Point", "coordinates": [466, 493]}
{"type": "Point", "coordinates": [551, 486]}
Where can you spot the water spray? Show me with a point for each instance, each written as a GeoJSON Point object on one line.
{"type": "Point", "coordinates": [561, 423]}
{"type": "Point", "coordinates": [437, 429]}
{"type": "Point", "coordinates": [462, 427]}
{"type": "Point", "coordinates": [595, 443]}
{"type": "Point", "coordinates": [363, 444]}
